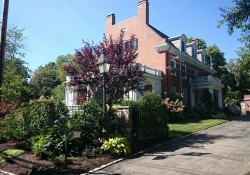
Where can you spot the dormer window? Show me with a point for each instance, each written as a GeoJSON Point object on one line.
{"type": "Point", "coordinates": [193, 53]}
{"type": "Point", "coordinates": [203, 59]}
{"type": "Point", "coordinates": [183, 46]}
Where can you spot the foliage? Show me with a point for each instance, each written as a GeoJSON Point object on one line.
{"type": "Point", "coordinates": [45, 79]}
{"type": "Point", "coordinates": [129, 103]}
{"type": "Point", "coordinates": [88, 122]}
{"type": "Point", "coordinates": [174, 106]}
{"type": "Point", "coordinates": [12, 129]}
{"type": "Point", "coordinates": [41, 115]}
{"type": "Point", "coordinates": [189, 113]}
{"type": "Point", "coordinates": [123, 76]}
{"type": "Point", "coordinates": [150, 100]}
{"type": "Point", "coordinates": [15, 81]}
{"type": "Point", "coordinates": [237, 17]}
{"type": "Point", "coordinates": [117, 146]}
{"type": "Point", "coordinates": [232, 98]}
{"type": "Point", "coordinates": [6, 108]}
{"type": "Point", "coordinates": [15, 43]}
{"type": "Point", "coordinates": [218, 60]}
{"type": "Point", "coordinates": [207, 100]}
{"type": "Point", "coordinates": [58, 92]}
{"type": "Point", "coordinates": [15, 71]}
{"type": "Point", "coordinates": [9, 154]}
{"type": "Point", "coordinates": [91, 151]}
{"type": "Point", "coordinates": [219, 116]}
{"type": "Point", "coordinates": [202, 43]}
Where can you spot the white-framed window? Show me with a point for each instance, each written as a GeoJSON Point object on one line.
{"type": "Point", "coordinates": [173, 66]}
{"type": "Point", "coordinates": [134, 44]}
{"type": "Point", "coordinates": [183, 46]}
{"type": "Point", "coordinates": [183, 71]}
{"type": "Point", "coordinates": [194, 54]}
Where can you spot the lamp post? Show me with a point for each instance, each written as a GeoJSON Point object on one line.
{"type": "Point", "coordinates": [103, 67]}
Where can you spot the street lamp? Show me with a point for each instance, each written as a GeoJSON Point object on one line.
{"type": "Point", "coordinates": [103, 67]}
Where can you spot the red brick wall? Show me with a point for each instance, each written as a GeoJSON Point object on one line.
{"type": "Point", "coordinates": [147, 38]}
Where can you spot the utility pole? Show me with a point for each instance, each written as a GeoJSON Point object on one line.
{"type": "Point", "coordinates": [3, 37]}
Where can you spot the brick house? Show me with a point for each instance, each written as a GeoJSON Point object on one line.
{"type": "Point", "coordinates": [170, 63]}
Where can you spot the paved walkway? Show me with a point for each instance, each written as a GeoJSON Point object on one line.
{"type": "Point", "coordinates": [224, 149]}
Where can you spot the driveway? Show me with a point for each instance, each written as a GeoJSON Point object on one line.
{"type": "Point", "coordinates": [223, 149]}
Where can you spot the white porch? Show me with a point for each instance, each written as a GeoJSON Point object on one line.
{"type": "Point", "coordinates": [153, 83]}
{"type": "Point", "coordinates": [198, 84]}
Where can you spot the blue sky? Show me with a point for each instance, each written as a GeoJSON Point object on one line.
{"type": "Point", "coordinates": [57, 27]}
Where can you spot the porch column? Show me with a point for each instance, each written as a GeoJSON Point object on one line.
{"type": "Point", "coordinates": [220, 104]}
{"type": "Point", "coordinates": [192, 97]}
{"type": "Point", "coordinates": [212, 92]}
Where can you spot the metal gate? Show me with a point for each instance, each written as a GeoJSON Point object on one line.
{"type": "Point", "coordinates": [149, 125]}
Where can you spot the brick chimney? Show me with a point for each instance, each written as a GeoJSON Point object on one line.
{"type": "Point", "coordinates": [110, 19]}
{"type": "Point", "coordinates": [143, 10]}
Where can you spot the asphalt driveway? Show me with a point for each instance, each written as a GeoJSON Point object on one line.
{"type": "Point", "coordinates": [223, 149]}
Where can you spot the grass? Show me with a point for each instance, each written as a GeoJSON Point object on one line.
{"type": "Point", "coordinates": [189, 126]}
{"type": "Point", "coordinates": [9, 154]}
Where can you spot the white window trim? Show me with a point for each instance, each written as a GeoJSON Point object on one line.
{"type": "Point", "coordinates": [174, 61]}
{"type": "Point", "coordinates": [185, 77]}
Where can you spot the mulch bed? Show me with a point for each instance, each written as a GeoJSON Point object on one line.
{"type": "Point", "coordinates": [27, 163]}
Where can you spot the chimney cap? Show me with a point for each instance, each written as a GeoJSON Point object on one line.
{"type": "Point", "coordinates": [141, 1]}
{"type": "Point", "coordinates": [111, 14]}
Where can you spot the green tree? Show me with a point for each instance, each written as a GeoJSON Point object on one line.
{"type": "Point", "coordinates": [218, 60]}
{"type": "Point", "coordinates": [45, 79]}
{"type": "Point", "coordinates": [15, 85]}
{"type": "Point", "coordinates": [62, 61]}
{"type": "Point", "coordinates": [237, 17]}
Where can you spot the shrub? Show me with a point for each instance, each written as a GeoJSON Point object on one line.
{"type": "Point", "coordinates": [150, 100]}
{"type": "Point", "coordinates": [129, 103]}
{"type": "Point", "coordinates": [41, 115]}
{"type": "Point", "coordinates": [6, 108]}
{"type": "Point", "coordinates": [91, 151]}
{"type": "Point", "coordinates": [12, 129]}
{"type": "Point", "coordinates": [219, 116]}
{"type": "Point", "coordinates": [117, 146]}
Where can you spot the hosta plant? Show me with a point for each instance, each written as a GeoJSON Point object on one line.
{"type": "Point", "coordinates": [117, 146]}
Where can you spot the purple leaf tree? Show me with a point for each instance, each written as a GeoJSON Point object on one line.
{"type": "Point", "coordinates": [124, 74]}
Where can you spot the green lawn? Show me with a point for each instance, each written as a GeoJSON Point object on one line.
{"type": "Point", "coordinates": [191, 125]}
{"type": "Point", "coordinates": [9, 153]}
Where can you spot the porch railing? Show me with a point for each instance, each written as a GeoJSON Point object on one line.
{"type": "Point", "coordinates": [204, 79]}
{"type": "Point", "coordinates": [151, 71]}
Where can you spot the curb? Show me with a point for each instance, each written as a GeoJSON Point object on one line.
{"type": "Point", "coordinates": [148, 149]}
{"type": "Point", "coordinates": [5, 172]}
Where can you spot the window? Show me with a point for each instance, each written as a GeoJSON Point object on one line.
{"type": "Point", "coordinates": [193, 53]}
{"type": "Point", "coordinates": [183, 71]}
{"type": "Point", "coordinates": [125, 45]}
{"type": "Point", "coordinates": [173, 90]}
{"type": "Point", "coordinates": [182, 46]}
{"type": "Point", "coordinates": [124, 30]}
{"type": "Point", "coordinates": [195, 73]}
{"type": "Point", "coordinates": [173, 67]}
{"type": "Point", "coordinates": [134, 45]}
{"type": "Point", "coordinates": [148, 88]}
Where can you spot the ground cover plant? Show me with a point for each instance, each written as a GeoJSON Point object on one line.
{"type": "Point", "coordinates": [9, 153]}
